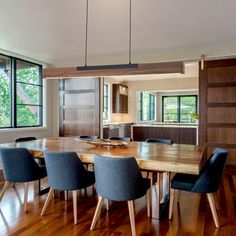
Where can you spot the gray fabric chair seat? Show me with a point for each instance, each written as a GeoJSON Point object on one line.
{"type": "Point", "coordinates": [183, 182]}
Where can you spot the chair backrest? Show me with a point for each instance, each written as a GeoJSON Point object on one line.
{"type": "Point", "coordinates": [88, 137]}
{"type": "Point", "coordinates": [159, 140]}
{"type": "Point", "coordinates": [211, 173]}
{"type": "Point", "coordinates": [24, 139]}
{"type": "Point", "coordinates": [117, 178]}
{"type": "Point", "coordinates": [65, 170]}
{"type": "Point", "coordinates": [127, 139]}
{"type": "Point", "coordinates": [19, 165]}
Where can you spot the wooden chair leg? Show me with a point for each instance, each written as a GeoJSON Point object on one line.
{"type": "Point", "coordinates": [97, 212]}
{"type": "Point", "coordinates": [26, 187]}
{"type": "Point", "coordinates": [49, 196]}
{"type": "Point", "coordinates": [107, 204]}
{"type": "Point", "coordinates": [172, 195]}
{"type": "Point", "coordinates": [66, 195]}
{"type": "Point", "coordinates": [4, 189]}
{"type": "Point", "coordinates": [213, 209]}
{"type": "Point", "coordinates": [131, 216]}
{"type": "Point", "coordinates": [149, 194]}
{"type": "Point", "coordinates": [74, 194]}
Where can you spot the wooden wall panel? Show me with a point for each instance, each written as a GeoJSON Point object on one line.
{"type": "Point", "coordinates": [221, 74]}
{"type": "Point", "coordinates": [80, 107]}
{"type": "Point", "coordinates": [217, 105]}
{"type": "Point", "coordinates": [221, 135]}
{"type": "Point", "coordinates": [221, 95]}
{"type": "Point", "coordinates": [226, 115]}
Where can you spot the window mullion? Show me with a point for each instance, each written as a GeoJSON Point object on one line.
{"type": "Point", "coordinates": [13, 92]}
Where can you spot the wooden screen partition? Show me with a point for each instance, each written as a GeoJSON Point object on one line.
{"type": "Point", "coordinates": [217, 90]}
{"type": "Point", "coordinates": [80, 107]}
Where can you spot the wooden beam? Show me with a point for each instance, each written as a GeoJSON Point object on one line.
{"type": "Point", "coordinates": [147, 68]}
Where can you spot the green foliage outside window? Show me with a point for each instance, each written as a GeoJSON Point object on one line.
{"type": "Point", "coordinates": [179, 109]}
{"type": "Point", "coordinates": [28, 90]}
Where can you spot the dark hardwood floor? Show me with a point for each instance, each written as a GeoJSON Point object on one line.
{"type": "Point", "coordinates": [191, 217]}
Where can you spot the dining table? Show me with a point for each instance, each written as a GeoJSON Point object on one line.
{"type": "Point", "coordinates": [153, 157]}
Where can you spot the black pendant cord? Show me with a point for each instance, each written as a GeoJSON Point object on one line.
{"type": "Point", "coordinates": [86, 35]}
{"type": "Point", "coordinates": [130, 19]}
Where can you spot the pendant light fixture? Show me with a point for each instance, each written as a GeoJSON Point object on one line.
{"type": "Point", "coordinates": [102, 67]}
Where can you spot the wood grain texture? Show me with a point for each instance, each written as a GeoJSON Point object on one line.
{"type": "Point", "coordinates": [217, 90]}
{"type": "Point", "coordinates": [192, 216]}
{"type": "Point", "coordinates": [79, 107]}
{"type": "Point", "coordinates": [147, 68]}
{"type": "Point", "coordinates": [150, 156]}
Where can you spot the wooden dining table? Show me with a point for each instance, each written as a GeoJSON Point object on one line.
{"type": "Point", "coordinates": [176, 158]}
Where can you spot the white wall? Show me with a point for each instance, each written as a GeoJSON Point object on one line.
{"type": "Point", "coordinates": [161, 85]}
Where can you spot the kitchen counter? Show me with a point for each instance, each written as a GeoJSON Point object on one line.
{"type": "Point", "coordinates": [167, 125]}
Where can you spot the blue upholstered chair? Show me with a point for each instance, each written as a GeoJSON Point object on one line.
{"type": "Point", "coordinates": [207, 181]}
{"type": "Point", "coordinates": [127, 139]}
{"type": "Point", "coordinates": [88, 137]}
{"type": "Point", "coordinates": [19, 166]}
{"type": "Point", "coordinates": [24, 139]}
{"type": "Point", "coordinates": [119, 179]}
{"type": "Point", "coordinates": [66, 173]}
{"type": "Point", "coordinates": [159, 140]}
{"type": "Point", "coordinates": [39, 161]}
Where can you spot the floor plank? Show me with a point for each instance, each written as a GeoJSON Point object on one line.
{"type": "Point", "coordinates": [191, 217]}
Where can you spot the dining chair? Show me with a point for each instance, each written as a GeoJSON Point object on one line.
{"type": "Point", "coordinates": [66, 173]}
{"type": "Point", "coordinates": [156, 175]}
{"type": "Point", "coordinates": [20, 166]}
{"type": "Point", "coordinates": [159, 140]}
{"type": "Point", "coordinates": [92, 137]}
{"type": "Point", "coordinates": [119, 179]}
{"type": "Point", "coordinates": [127, 139]}
{"type": "Point", "coordinates": [207, 181]}
{"type": "Point", "coordinates": [24, 139]}
{"type": "Point", "coordinates": [41, 162]}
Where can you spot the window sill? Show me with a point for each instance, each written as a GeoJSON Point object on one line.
{"type": "Point", "coordinates": [9, 130]}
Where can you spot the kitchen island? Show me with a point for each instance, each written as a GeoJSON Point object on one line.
{"type": "Point", "coordinates": [177, 132]}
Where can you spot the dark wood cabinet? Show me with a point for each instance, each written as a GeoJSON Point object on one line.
{"type": "Point", "coordinates": [187, 135]}
{"type": "Point", "coordinates": [172, 133]}
{"type": "Point", "coordinates": [179, 135]}
{"type": "Point", "coordinates": [106, 132]}
{"type": "Point", "coordinates": [140, 133]}
{"type": "Point", "coordinates": [119, 98]}
{"type": "Point", "coordinates": [155, 132]}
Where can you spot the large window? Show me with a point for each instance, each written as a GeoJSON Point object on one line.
{"type": "Point", "coordinates": [179, 109]}
{"type": "Point", "coordinates": [146, 106]}
{"type": "Point", "coordinates": [20, 93]}
{"type": "Point", "coordinates": [106, 102]}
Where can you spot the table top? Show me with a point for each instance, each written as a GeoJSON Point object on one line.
{"type": "Point", "coordinates": [179, 158]}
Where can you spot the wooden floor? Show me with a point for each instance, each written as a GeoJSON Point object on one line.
{"type": "Point", "coordinates": [191, 217]}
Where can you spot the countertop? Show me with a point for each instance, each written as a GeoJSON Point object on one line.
{"type": "Point", "coordinates": [169, 125]}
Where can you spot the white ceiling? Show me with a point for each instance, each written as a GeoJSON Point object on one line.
{"type": "Point", "coordinates": [53, 31]}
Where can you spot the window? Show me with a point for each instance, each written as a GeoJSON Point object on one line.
{"type": "Point", "coordinates": [106, 102]}
{"type": "Point", "coordinates": [20, 93]}
{"type": "Point", "coordinates": [179, 109]}
{"type": "Point", "coordinates": [146, 106]}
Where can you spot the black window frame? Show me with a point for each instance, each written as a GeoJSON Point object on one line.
{"type": "Point", "coordinates": [178, 103]}
{"type": "Point", "coordinates": [152, 113]}
{"type": "Point", "coordinates": [13, 93]}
